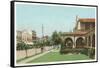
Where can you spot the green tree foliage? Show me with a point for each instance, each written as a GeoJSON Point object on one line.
{"type": "Point", "coordinates": [47, 43]}
{"type": "Point", "coordinates": [23, 46]}
{"type": "Point", "coordinates": [56, 38]}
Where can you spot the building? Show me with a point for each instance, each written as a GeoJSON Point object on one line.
{"type": "Point", "coordinates": [83, 34]}
{"type": "Point", "coordinates": [87, 25]}
{"type": "Point", "coordinates": [25, 36]}
{"type": "Point", "coordinates": [34, 37]}
{"type": "Point", "coordinates": [19, 36]}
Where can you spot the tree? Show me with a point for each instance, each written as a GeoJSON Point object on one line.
{"type": "Point", "coordinates": [26, 47]}
{"type": "Point", "coordinates": [20, 46]}
{"type": "Point", "coordinates": [35, 46]}
{"type": "Point", "coordinates": [56, 38]}
{"type": "Point", "coordinates": [23, 46]}
{"type": "Point", "coordinates": [47, 43]}
{"type": "Point", "coordinates": [38, 44]}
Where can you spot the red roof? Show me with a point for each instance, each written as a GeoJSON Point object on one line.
{"type": "Point", "coordinates": [87, 19]}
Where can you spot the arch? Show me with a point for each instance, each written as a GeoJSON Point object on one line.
{"type": "Point", "coordinates": [93, 40]}
{"type": "Point", "coordinates": [80, 42]}
{"type": "Point", "coordinates": [69, 42]}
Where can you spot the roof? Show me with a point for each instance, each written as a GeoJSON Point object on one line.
{"type": "Point", "coordinates": [87, 19]}
{"type": "Point", "coordinates": [75, 33]}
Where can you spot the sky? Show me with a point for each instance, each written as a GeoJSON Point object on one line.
{"type": "Point", "coordinates": [53, 18]}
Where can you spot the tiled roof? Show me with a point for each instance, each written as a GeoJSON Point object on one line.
{"type": "Point", "coordinates": [80, 32]}
{"type": "Point", "coordinates": [87, 19]}
{"type": "Point", "coordinates": [75, 33]}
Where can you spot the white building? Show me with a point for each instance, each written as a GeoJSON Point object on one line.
{"type": "Point", "coordinates": [24, 36]}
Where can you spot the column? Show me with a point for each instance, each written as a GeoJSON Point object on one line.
{"type": "Point", "coordinates": [74, 43]}
{"type": "Point", "coordinates": [91, 41]}
{"type": "Point", "coordinates": [87, 41]}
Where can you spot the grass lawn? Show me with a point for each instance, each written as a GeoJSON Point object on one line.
{"type": "Point", "coordinates": [56, 56]}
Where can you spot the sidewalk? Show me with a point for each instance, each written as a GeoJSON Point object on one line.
{"type": "Point", "coordinates": [32, 58]}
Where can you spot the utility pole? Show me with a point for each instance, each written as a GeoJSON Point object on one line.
{"type": "Point", "coordinates": [42, 31]}
{"type": "Point", "coordinates": [42, 39]}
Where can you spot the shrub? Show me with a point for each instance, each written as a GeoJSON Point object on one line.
{"type": "Point", "coordinates": [23, 46]}
{"type": "Point", "coordinates": [65, 50]}
{"type": "Point", "coordinates": [89, 52]}
{"type": "Point", "coordinates": [92, 53]}
{"type": "Point", "coordinates": [20, 46]}
{"type": "Point", "coordinates": [62, 50]}
{"type": "Point", "coordinates": [84, 51]}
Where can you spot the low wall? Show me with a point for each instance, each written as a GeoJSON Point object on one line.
{"type": "Point", "coordinates": [22, 54]}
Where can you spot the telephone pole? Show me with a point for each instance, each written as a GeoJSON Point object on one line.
{"type": "Point", "coordinates": [42, 31]}
{"type": "Point", "coordinates": [42, 39]}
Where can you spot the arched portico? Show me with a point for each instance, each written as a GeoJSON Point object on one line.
{"type": "Point", "coordinates": [68, 43]}
{"type": "Point", "coordinates": [80, 42]}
